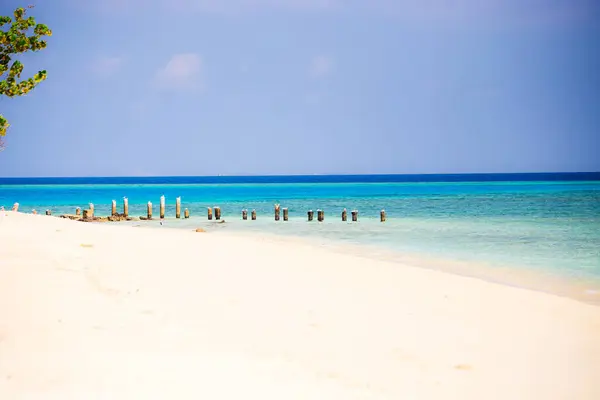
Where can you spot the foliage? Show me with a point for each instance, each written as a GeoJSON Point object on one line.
{"type": "Point", "coordinates": [18, 35]}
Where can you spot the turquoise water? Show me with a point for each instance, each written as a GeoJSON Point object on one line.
{"type": "Point", "coordinates": [552, 226]}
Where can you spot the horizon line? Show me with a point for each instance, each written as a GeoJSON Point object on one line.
{"type": "Point", "coordinates": [302, 175]}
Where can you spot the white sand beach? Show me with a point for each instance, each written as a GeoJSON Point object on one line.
{"type": "Point", "coordinates": [99, 311]}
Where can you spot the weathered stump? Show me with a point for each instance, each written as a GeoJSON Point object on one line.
{"type": "Point", "coordinates": [125, 207]}
{"type": "Point", "coordinates": [354, 215]}
{"type": "Point", "coordinates": [276, 212]}
{"type": "Point", "coordinates": [210, 214]}
{"type": "Point", "coordinates": [48, 212]}
{"type": "Point", "coordinates": [217, 213]}
{"type": "Point", "coordinates": [253, 215]}
{"type": "Point", "coordinates": [244, 215]}
{"type": "Point", "coordinates": [320, 215]}
{"type": "Point", "coordinates": [78, 211]}
{"type": "Point", "coordinates": [344, 215]}
{"type": "Point", "coordinates": [285, 214]}
{"type": "Point", "coordinates": [382, 216]}
{"type": "Point", "coordinates": [113, 208]}
{"type": "Point", "coordinates": [178, 207]}
{"type": "Point", "coordinates": [186, 213]}
{"type": "Point", "coordinates": [311, 215]}
{"type": "Point", "coordinates": [149, 210]}
{"type": "Point", "coordinates": [162, 207]}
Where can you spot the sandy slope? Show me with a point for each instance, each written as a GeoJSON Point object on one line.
{"type": "Point", "coordinates": [91, 311]}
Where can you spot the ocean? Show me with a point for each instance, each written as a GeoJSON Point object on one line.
{"type": "Point", "coordinates": [520, 229]}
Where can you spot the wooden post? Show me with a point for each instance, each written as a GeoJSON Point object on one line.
{"type": "Point", "coordinates": [285, 214]}
{"type": "Point", "coordinates": [209, 213]}
{"type": "Point", "coordinates": [244, 215]}
{"type": "Point", "coordinates": [217, 213]}
{"type": "Point", "coordinates": [178, 207]}
{"type": "Point", "coordinates": [276, 212]}
{"type": "Point", "coordinates": [149, 210]}
{"type": "Point", "coordinates": [78, 211]}
{"type": "Point", "coordinates": [162, 207]}
{"type": "Point", "coordinates": [344, 215]}
{"type": "Point", "coordinates": [48, 212]}
{"type": "Point", "coordinates": [91, 211]}
{"type": "Point", "coordinates": [15, 207]}
{"type": "Point", "coordinates": [87, 214]}
{"type": "Point", "coordinates": [253, 215]}
{"type": "Point", "coordinates": [125, 207]}
{"type": "Point", "coordinates": [382, 216]}
{"type": "Point", "coordinates": [311, 215]}
{"type": "Point", "coordinates": [320, 215]}
{"type": "Point", "coordinates": [113, 208]}
{"type": "Point", "coordinates": [354, 215]}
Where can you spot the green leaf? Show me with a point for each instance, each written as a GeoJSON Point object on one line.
{"type": "Point", "coordinates": [3, 125]}
{"type": "Point", "coordinates": [19, 12]}
{"type": "Point", "coordinates": [42, 30]}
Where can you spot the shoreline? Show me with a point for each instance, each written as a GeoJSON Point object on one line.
{"type": "Point", "coordinates": [586, 290]}
{"type": "Point", "coordinates": [550, 281]}
{"type": "Point", "coordinates": [111, 306]}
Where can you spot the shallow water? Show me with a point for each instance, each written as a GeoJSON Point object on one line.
{"type": "Point", "coordinates": [551, 227]}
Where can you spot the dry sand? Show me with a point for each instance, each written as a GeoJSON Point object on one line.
{"type": "Point", "coordinates": [91, 311]}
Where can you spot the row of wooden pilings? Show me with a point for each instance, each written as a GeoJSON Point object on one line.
{"type": "Point", "coordinates": [311, 215]}
{"type": "Point", "coordinates": [89, 213]}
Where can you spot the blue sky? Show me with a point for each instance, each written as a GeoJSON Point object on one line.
{"type": "Point", "coordinates": [206, 87]}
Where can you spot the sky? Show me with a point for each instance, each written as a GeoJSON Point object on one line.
{"type": "Point", "coordinates": [245, 87]}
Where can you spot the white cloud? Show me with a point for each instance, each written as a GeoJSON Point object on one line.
{"type": "Point", "coordinates": [321, 66]}
{"type": "Point", "coordinates": [106, 66]}
{"type": "Point", "coordinates": [183, 71]}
